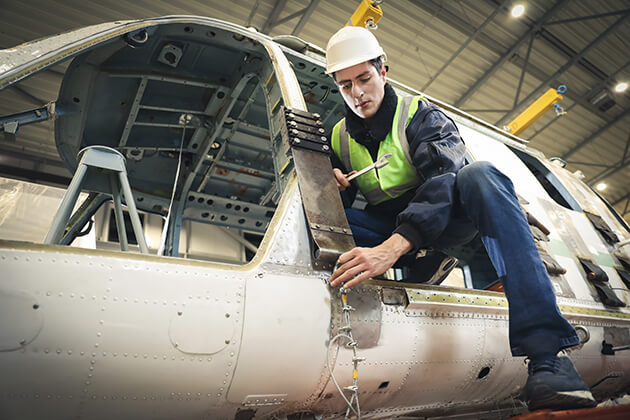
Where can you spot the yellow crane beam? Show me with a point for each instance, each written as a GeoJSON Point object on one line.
{"type": "Point", "coordinates": [536, 110]}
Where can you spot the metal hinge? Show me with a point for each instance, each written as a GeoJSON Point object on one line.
{"type": "Point", "coordinates": [305, 130]}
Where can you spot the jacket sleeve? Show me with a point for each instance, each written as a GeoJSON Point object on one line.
{"type": "Point", "coordinates": [349, 194]}
{"type": "Point", "coordinates": [438, 153]}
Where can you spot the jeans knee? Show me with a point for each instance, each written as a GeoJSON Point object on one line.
{"type": "Point", "coordinates": [480, 179]}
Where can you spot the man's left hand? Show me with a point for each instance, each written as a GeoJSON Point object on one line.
{"type": "Point", "coordinates": [363, 263]}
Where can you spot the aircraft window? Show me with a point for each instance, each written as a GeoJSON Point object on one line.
{"type": "Point", "coordinates": [612, 210]}
{"type": "Point", "coordinates": [548, 180]}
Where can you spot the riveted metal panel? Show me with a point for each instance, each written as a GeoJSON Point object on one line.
{"type": "Point", "coordinates": [284, 337]}
{"type": "Point", "coordinates": [106, 317]}
{"type": "Point", "coordinates": [20, 319]}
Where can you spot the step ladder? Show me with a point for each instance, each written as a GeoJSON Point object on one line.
{"type": "Point", "coordinates": [101, 169]}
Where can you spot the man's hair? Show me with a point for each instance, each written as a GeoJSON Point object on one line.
{"type": "Point", "coordinates": [376, 62]}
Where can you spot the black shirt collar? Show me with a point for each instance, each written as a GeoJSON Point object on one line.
{"type": "Point", "coordinates": [381, 122]}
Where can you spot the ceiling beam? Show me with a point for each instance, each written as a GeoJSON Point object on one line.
{"type": "Point", "coordinates": [619, 200]}
{"type": "Point", "coordinates": [305, 17]}
{"type": "Point", "coordinates": [510, 52]}
{"type": "Point", "coordinates": [273, 16]}
{"type": "Point", "coordinates": [596, 134]}
{"type": "Point", "coordinates": [464, 45]}
{"type": "Point", "coordinates": [544, 85]}
{"type": "Point", "coordinates": [523, 71]}
{"type": "Point", "coordinates": [597, 16]}
{"type": "Point", "coordinates": [493, 45]}
{"type": "Point", "coordinates": [608, 172]}
{"type": "Point", "coordinates": [584, 98]}
{"type": "Point", "coordinates": [252, 13]}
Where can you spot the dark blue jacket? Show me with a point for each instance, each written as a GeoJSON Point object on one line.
{"type": "Point", "coordinates": [437, 152]}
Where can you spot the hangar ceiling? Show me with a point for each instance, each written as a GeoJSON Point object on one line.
{"type": "Point", "coordinates": [470, 53]}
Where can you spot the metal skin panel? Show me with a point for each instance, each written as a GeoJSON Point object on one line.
{"type": "Point", "coordinates": [284, 339]}
{"type": "Point", "coordinates": [22, 309]}
{"type": "Point", "coordinates": [384, 374]}
{"type": "Point", "coordinates": [120, 313]}
{"type": "Point", "coordinates": [583, 291]}
{"type": "Point", "coordinates": [287, 318]}
{"type": "Point", "coordinates": [292, 229]}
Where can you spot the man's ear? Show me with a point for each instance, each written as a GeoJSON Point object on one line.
{"type": "Point", "coordinates": [383, 72]}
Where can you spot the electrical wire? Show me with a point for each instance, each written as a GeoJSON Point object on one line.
{"type": "Point", "coordinates": [185, 119]}
{"type": "Point", "coordinates": [357, 412]}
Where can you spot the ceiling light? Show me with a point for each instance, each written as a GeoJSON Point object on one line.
{"type": "Point", "coordinates": [601, 186]}
{"type": "Point", "coordinates": [621, 87]}
{"type": "Point", "coordinates": [518, 10]}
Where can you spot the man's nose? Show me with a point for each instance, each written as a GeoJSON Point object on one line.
{"type": "Point", "coordinates": [357, 92]}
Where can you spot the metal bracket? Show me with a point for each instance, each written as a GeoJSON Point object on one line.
{"type": "Point", "coordinates": [326, 228]}
{"type": "Point", "coordinates": [304, 130]}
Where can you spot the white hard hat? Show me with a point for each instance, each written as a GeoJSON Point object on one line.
{"type": "Point", "coordinates": [351, 45]}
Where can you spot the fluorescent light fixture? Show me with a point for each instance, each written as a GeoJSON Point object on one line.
{"type": "Point", "coordinates": [601, 186]}
{"type": "Point", "coordinates": [518, 10]}
{"type": "Point", "coordinates": [621, 87]}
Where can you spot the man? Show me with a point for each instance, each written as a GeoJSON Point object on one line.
{"type": "Point", "coordinates": [427, 198]}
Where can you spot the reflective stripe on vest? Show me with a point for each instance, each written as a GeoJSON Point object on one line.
{"type": "Point", "coordinates": [399, 175]}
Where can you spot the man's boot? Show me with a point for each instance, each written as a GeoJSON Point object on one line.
{"type": "Point", "coordinates": [553, 383]}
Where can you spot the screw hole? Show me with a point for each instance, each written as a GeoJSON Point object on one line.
{"type": "Point", "coordinates": [483, 372]}
{"type": "Point", "coordinates": [383, 385]}
{"type": "Point", "coordinates": [76, 100]}
{"type": "Point", "coordinates": [170, 57]}
{"type": "Point", "coordinates": [36, 306]}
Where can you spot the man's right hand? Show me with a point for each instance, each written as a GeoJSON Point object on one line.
{"type": "Point", "coordinates": [340, 177]}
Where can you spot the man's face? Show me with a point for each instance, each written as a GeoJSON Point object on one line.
{"type": "Point", "coordinates": [362, 87]}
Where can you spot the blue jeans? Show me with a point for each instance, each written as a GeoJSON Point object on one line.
{"type": "Point", "coordinates": [486, 204]}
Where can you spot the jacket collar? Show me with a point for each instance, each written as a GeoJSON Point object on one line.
{"type": "Point", "coordinates": [381, 122]}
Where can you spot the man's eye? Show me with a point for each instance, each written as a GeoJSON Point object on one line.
{"type": "Point", "coordinates": [345, 86]}
{"type": "Point", "coordinates": [365, 80]}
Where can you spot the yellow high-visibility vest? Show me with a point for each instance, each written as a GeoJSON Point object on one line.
{"type": "Point", "coordinates": [393, 180]}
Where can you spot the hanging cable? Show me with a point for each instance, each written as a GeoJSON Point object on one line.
{"type": "Point", "coordinates": [184, 119]}
{"type": "Point", "coordinates": [346, 332]}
